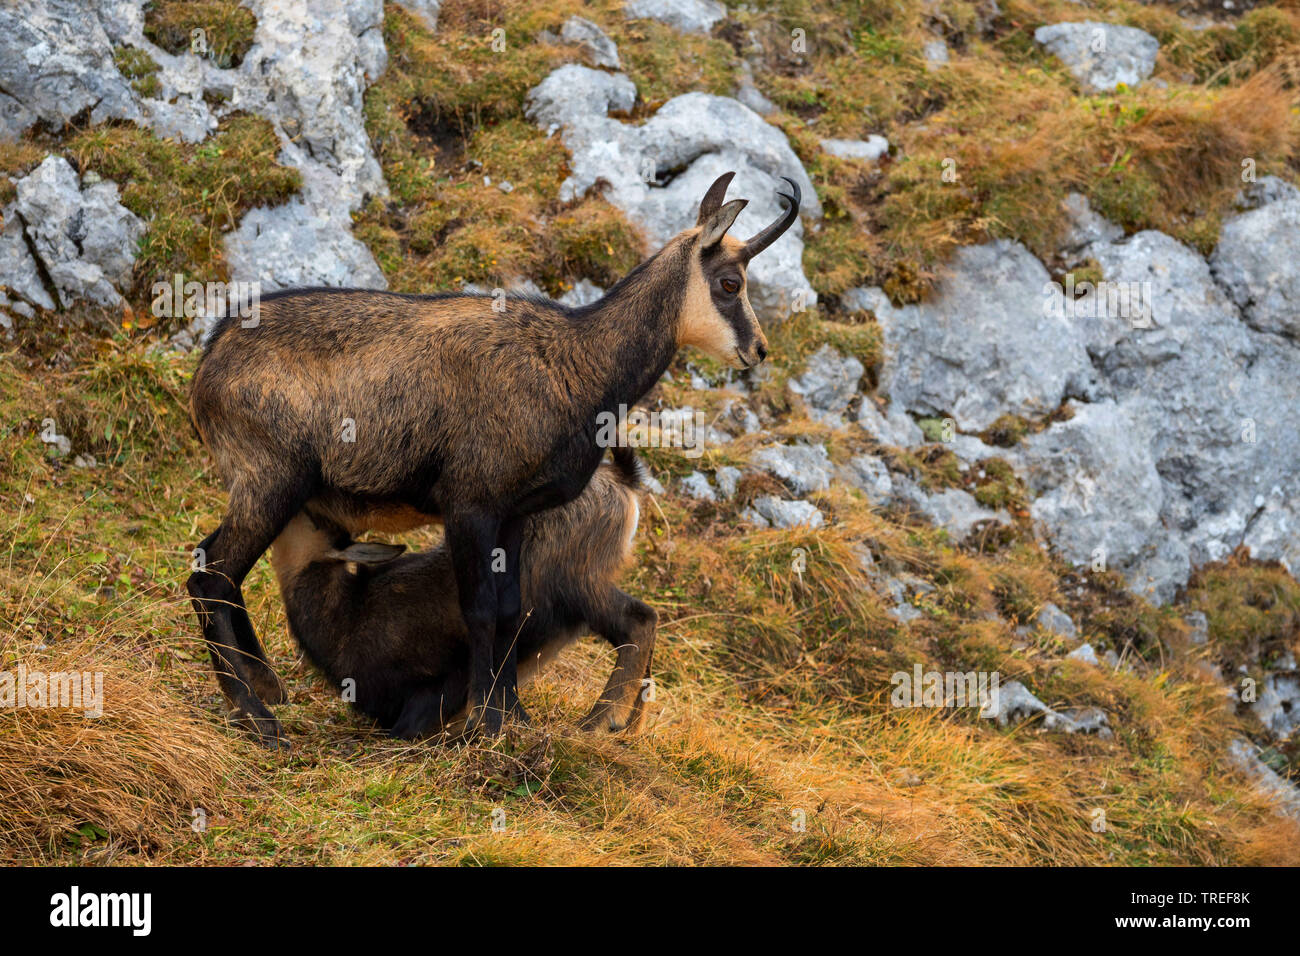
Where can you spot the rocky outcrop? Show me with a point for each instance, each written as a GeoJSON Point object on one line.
{"type": "Point", "coordinates": [1098, 492]}
{"type": "Point", "coordinates": [898, 591]}
{"type": "Point", "coordinates": [728, 479]}
{"type": "Point", "coordinates": [936, 54]}
{"type": "Point", "coordinates": [1277, 790]}
{"type": "Point", "coordinates": [584, 292]}
{"type": "Point", "coordinates": [426, 10]}
{"type": "Point", "coordinates": [1084, 653]}
{"type": "Point", "coordinates": [1178, 446]}
{"type": "Point", "coordinates": [894, 427]}
{"type": "Point", "coordinates": [599, 49]}
{"type": "Point", "coordinates": [1101, 56]}
{"type": "Point", "coordinates": [689, 16]}
{"type": "Point", "coordinates": [56, 63]}
{"type": "Point", "coordinates": [804, 468]}
{"type": "Point", "coordinates": [770, 511]}
{"type": "Point", "coordinates": [306, 72]}
{"type": "Point", "coordinates": [656, 172]}
{"type": "Point", "coordinates": [869, 475]}
{"type": "Point", "coordinates": [1056, 622]}
{"type": "Point", "coordinates": [750, 95]}
{"type": "Point", "coordinates": [869, 149]}
{"type": "Point", "coordinates": [954, 510]}
{"type": "Point", "coordinates": [19, 273]}
{"type": "Point", "coordinates": [73, 233]}
{"type": "Point", "coordinates": [828, 384]}
{"type": "Point", "coordinates": [697, 485]}
{"type": "Point", "coordinates": [1009, 355]}
{"type": "Point", "coordinates": [294, 245]}
{"type": "Point", "coordinates": [1261, 284]}
{"type": "Point", "coordinates": [1278, 706]}
{"type": "Point", "coordinates": [1013, 703]}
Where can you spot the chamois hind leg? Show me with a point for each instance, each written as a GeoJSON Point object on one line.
{"type": "Point", "coordinates": [252, 522]}
{"type": "Point", "coordinates": [263, 679]}
{"type": "Point", "coordinates": [628, 625]}
{"type": "Point", "coordinates": [471, 537]}
{"type": "Point", "coordinates": [637, 717]}
{"type": "Point", "coordinates": [505, 651]}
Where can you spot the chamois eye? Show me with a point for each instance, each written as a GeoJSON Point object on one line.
{"type": "Point", "coordinates": [730, 286]}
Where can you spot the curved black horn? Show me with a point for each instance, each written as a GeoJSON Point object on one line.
{"type": "Point", "coordinates": [773, 232]}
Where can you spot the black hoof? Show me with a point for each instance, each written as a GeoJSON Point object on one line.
{"type": "Point", "coordinates": [485, 722]}
{"type": "Point", "coordinates": [266, 730]}
{"type": "Point", "coordinates": [518, 715]}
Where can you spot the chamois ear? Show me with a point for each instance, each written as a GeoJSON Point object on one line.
{"type": "Point", "coordinates": [370, 553]}
{"type": "Point", "coordinates": [712, 200]}
{"type": "Point", "coordinates": [720, 222]}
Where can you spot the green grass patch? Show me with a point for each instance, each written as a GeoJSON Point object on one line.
{"type": "Point", "coordinates": [220, 29]}
{"type": "Point", "coordinates": [188, 195]}
{"type": "Point", "coordinates": [138, 67]}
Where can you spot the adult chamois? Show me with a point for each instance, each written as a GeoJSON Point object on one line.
{"type": "Point", "coordinates": [385, 412]}
{"type": "Point", "coordinates": [389, 623]}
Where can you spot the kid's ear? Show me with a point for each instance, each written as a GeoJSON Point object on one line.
{"type": "Point", "coordinates": [720, 222]}
{"type": "Point", "coordinates": [712, 200]}
{"type": "Point", "coordinates": [369, 553]}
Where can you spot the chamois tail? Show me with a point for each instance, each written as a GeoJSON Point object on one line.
{"type": "Point", "coordinates": [631, 472]}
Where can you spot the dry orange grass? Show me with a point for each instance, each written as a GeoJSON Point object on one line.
{"type": "Point", "coordinates": [133, 775]}
{"type": "Point", "coordinates": [1196, 149]}
{"type": "Point", "coordinates": [770, 740]}
{"type": "Point", "coordinates": [126, 781]}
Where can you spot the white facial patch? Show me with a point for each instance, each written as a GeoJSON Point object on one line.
{"type": "Point", "coordinates": [702, 325]}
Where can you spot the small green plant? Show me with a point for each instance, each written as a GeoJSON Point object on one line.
{"type": "Point", "coordinates": [138, 67]}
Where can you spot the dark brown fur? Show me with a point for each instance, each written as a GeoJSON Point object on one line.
{"type": "Point", "coordinates": [460, 413]}
{"type": "Point", "coordinates": [392, 625]}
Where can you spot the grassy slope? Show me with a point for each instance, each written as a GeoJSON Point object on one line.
{"type": "Point", "coordinates": [772, 684]}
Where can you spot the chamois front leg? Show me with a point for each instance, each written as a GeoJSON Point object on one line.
{"type": "Point", "coordinates": [254, 518]}
{"type": "Point", "coordinates": [505, 652]}
{"type": "Point", "coordinates": [471, 538]}
{"type": "Point", "coordinates": [265, 683]}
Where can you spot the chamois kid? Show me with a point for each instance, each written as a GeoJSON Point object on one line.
{"type": "Point", "coordinates": [391, 622]}
{"type": "Point", "coordinates": [385, 412]}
